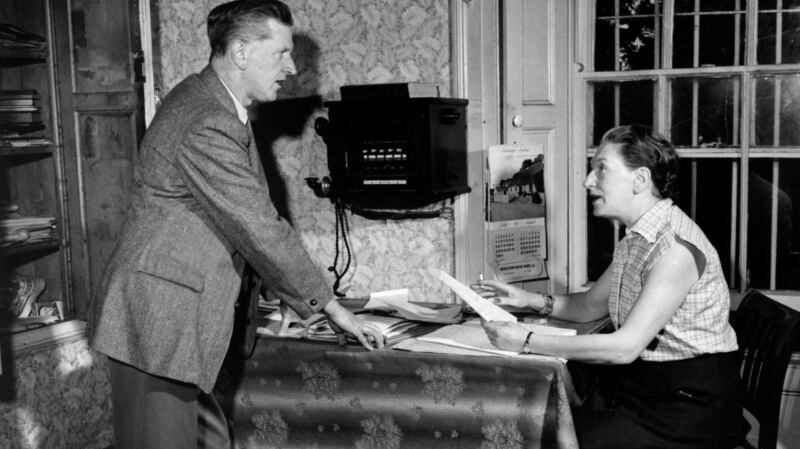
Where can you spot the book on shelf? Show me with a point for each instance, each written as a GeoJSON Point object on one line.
{"type": "Point", "coordinates": [6, 107]}
{"type": "Point", "coordinates": [12, 37]}
{"type": "Point", "coordinates": [19, 101]}
{"type": "Point", "coordinates": [15, 231]}
{"type": "Point", "coordinates": [13, 118]}
{"type": "Point", "coordinates": [24, 142]}
{"type": "Point", "coordinates": [388, 91]}
{"type": "Point", "coordinates": [18, 93]}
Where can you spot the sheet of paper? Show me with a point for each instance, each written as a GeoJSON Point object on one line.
{"type": "Point", "coordinates": [537, 328]}
{"type": "Point", "coordinates": [464, 338]}
{"type": "Point", "coordinates": [482, 306]}
{"type": "Point", "coordinates": [397, 301]}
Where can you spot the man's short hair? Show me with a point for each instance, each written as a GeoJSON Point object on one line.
{"type": "Point", "coordinates": [241, 19]}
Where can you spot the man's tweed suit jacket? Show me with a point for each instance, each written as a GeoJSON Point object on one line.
{"type": "Point", "coordinates": [200, 207]}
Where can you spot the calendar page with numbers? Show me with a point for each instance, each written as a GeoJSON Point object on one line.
{"type": "Point", "coordinates": [516, 228]}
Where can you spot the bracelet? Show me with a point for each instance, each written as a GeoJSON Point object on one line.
{"type": "Point", "coordinates": [548, 305]}
{"type": "Point", "coordinates": [526, 347]}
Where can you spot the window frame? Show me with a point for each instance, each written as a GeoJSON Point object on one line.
{"type": "Point", "coordinates": [581, 100]}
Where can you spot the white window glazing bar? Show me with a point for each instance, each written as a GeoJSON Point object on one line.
{"type": "Point", "coordinates": [778, 30]}
{"type": "Point", "coordinates": [773, 227]}
{"type": "Point", "coordinates": [696, 35]}
{"type": "Point", "coordinates": [617, 59]}
{"type": "Point", "coordinates": [734, 206]}
{"type": "Point", "coordinates": [693, 198]}
{"type": "Point", "coordinates": [737, 30]}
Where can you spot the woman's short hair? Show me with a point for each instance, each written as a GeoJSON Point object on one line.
{"type": "Point", "coordinates": [242, 19]}
{"type": "Point", "coordinates": [640, 146]}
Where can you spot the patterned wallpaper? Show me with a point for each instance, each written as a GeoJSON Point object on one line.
{"type": "Point", "coordinates": [61, 400]}
{"type": "Point", "coordinates": [339, 42]}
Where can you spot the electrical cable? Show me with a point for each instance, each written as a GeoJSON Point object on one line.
{"type": "Point", "coordinates": [342, 229]}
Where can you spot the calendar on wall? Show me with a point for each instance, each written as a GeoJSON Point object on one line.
{"type": "Point", "coordinates": [517, 232]}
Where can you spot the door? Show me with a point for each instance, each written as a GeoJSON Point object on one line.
{"type": "Point", "coordinates": [103, 121]}
{"type": "Point", "coordinates": [535, 93]}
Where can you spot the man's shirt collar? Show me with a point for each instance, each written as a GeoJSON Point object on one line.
{"type": "Point", "coordinates": [241, 112]}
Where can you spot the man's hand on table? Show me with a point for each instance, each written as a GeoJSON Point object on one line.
{"type": "Point", "coordinates": [343, 320]}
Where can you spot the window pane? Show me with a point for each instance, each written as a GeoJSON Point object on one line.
{"type": "Point", "coordinates": [772, 4]}
{"type": "Point", "coordinates": [765, 51]}
{"type": "Point", "coordinates": [713, 122]}
{"type": "Point", "coordinates": [765, 4]}
{"type": "Point", "coordinates": [789, 46]}
{"type": "Point", "coordinates": [790, 51]}
{"type": "Point", "coordinates": [708, 5]}
{"type": "Point", "coordinates": [767, 89]}
{"type": "Point", "coordinates": [710, 202]}
{"type": "Point", "coordinates": [719, 41]}
{"type": "Point", "coordinates": [638, 38]}
{"type": "Point", "coordinates": [774, 224]}
{"type": "Point", "coordinates": [684, 5]}
{"type": "Point", "coordinates": [620, 103]}
{"type": "Point", "coordinates": [604, 8]}
{"type": "Point", "coordinates": [604, 49]}
{"type": "Point", "coordinates": [683, 42]}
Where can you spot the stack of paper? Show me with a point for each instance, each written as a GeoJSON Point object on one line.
{"type": "Point", "coordinates": [470, 338]}
{"type": "Point", "coordinates": [396, 302]}
{"type": "Point", "coordinates": [393, 329]}
{"type": "Point", "coordinates": [454, 338]}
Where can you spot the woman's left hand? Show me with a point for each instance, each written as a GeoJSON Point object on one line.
{"type": "Point", "coordinates": [505, 335]}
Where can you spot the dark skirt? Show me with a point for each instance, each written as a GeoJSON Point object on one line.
{"type": "Point", "coordinates": [692, 403]}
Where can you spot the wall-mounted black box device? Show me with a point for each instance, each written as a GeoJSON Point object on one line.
{"type": "Point", "coordinates": [389, 149]}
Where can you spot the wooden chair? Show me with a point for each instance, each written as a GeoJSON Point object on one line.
{"type": "Point", "coordinates": [767, 332]}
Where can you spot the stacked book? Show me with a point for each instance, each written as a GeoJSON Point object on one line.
{"type": "Point", "coordinates": [20, 118]}
{"type": "Point", "coordinates": [13, 38]}
{"type": "Point", "coordinates": [18, 231]}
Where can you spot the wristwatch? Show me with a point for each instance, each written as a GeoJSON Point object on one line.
{"type": "Point", "coordinates": [548, 305]}
{"type": "Point", "coordinates": [526, 347]}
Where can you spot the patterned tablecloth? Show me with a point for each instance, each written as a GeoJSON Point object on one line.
{"type": "Point", "coordinates": [301, 394]}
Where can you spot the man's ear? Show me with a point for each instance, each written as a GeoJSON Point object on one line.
{"type": "Point", "coordinates": [237, 52]}
{"type": "Point", "coordinates": [641, 180]}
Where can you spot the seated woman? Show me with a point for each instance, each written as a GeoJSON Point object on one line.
{"type": "Point", "coordinates": [671, 378]}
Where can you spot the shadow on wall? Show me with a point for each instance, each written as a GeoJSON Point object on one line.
{"type": "Point", "coordinates": [297, 100]}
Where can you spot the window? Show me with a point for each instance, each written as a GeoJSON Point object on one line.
{"type": "Point", "coordinates": [720, 79]}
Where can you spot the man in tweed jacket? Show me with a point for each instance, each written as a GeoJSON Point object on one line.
{"type": "Point", "coordinates": [200, 209]}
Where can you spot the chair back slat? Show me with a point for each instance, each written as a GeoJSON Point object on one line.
{"type": "Point", "coordinates": [767, 332]}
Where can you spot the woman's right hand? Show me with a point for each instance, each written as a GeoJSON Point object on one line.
{"type": "Point", "coordinates": [503, 294]}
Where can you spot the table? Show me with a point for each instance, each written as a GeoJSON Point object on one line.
{"type": "Point", "coordinates": [296, 393]}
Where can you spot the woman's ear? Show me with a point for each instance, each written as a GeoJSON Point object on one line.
{"type": "Point", "coordinates": [642, 180]}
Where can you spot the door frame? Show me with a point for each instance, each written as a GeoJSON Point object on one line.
{"type": "Point", "coordinates": [475, 75]}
